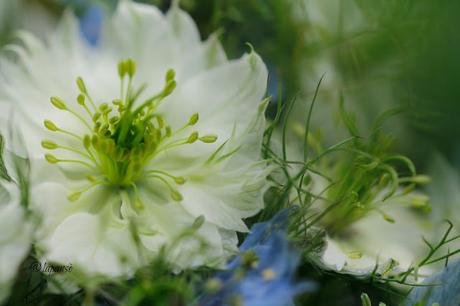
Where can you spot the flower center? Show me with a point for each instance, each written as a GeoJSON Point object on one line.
{"type": "Point", "coordinates": [123, 139]}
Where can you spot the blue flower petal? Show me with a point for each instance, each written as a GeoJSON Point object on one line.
{"type": "Point", "coordinates": [91, 23]}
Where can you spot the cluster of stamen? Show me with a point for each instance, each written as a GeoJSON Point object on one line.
{"type": "Point", "coordinates": [123, 139]}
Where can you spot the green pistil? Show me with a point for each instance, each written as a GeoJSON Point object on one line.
{"type": "Point", "coordinates": [123, 139]}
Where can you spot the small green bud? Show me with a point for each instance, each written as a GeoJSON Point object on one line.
{"type": "Point", "coordinates": [194, 119]}
{"type": "Point", "coordinates": [48, 144]}
{"type": "Point", "coordinates": [51, 159]}
{"type": "Point", "coordinates": [193, 137]}
{"type": "Point", "coordinates": [50, 125]}
{"type": "Point", "coordinates": [58, 103]}
{"type": "Point", "coordinates": [208, 138]}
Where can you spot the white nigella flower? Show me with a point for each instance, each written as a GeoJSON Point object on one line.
{"type": "Point", "coordinates": [389, 236]}
{"type": "Point", "coordinates": [131, 153]}
{"type": "Point", "coordinates": [15, 231]}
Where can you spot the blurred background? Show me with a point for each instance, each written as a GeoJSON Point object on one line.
{"type": "Point", "coordinates": [377, 55]}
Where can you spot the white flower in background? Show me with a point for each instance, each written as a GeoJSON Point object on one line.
{"type": "Point", "coordinates": [373, 240]}
{"type": "Point", "coordinates": [15, 232]}
{"type": "Point", "coordinates": [130, 154]}
{"type": "Point", "coordinates": [380, 230]}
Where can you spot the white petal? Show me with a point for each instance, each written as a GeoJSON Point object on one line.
{"type": "Point", "coordinates": [224, 96]}
{"type": "Point", "coordinates": [183, 27]}
{"type": "Point", "coordinates": [87, 244]}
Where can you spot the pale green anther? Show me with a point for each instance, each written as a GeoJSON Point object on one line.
{"type": "Point", "coordinates": [388, 218]}
{"type": "Point", "coordinates": [81, 85]}
{"type": "Point", "coordinates": [103, 107]}
{"type": "Point", "coordinates": [95, 141]}
{"type": "Point", "coordinates": [97, 126]}
{"type": "Point", "coordinates": [137, 167]}
{"type": "Point", "coordinates": [208, 138]}
{"type": "Point", "coordinates": [103, 146]}
{"type": "Point", "coordinates": [121, 69]}
{"type": "Point", "coordinates": [110, 146]}
{"type": "Point", "coordinates": [170, 75]}
{"type": "Point", "coordinates": [170, 86]}
{"type": "Point", "coordinates": [193, 137]}
{"type": "Point", "coordinates": [383, 304]}
{"type": "Point", "coordinates": [420, 201]}
{"type": "Point", "coordinates": [113, 119]}
{"type": "Point", "coordinates": [107, 110]}
{"type": "Point", "coordinates": [139, 204]}
{"type": "Point", "coordinates": [74, 196]}
{"type": "Point", "coordinates": [96, 116]}
{"type": "Point", "coordinates": [194, 119]}
{"type": "Point", "coordinates": [58, 103]}
{"type": "Point", "coordinates": [130, 67]}
{"type": "Point", "coordinates": [87, 141]}
{"type": "Point", "coordinates": [81, 99]}
{"type": "Point", "coordinates": [365, 300]}
{"type": "Point", "coordinates": [421, 179]}
{"type": "Point", "coordinates": [161, 122]}
{"type": "Point", "coordinates": [355, 255]}
{"type": "Point", "coordinates": [48, 144]}
{"type": "Point", "coordinates": [179, 180]}
{"type": "Point", "coordinates": [51, 159]}
{"type": "Point", "coordinates": [176, 195]}
{"type": "Point", "coordinates": [198, 222]}
{"type": "Point", "coordinates": [118, 154]}
{"type": "Point", "coordinates": [91, 178]}
{"type": "Point", "coordinates": [50, 126]}
{"type": "Point", "coordinates": [157, 134]}
{"type": "Point", "coordinates": [168, 131]}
